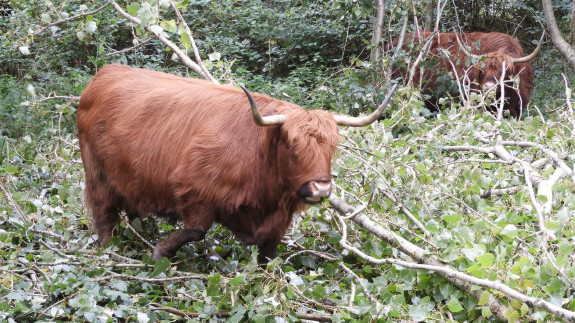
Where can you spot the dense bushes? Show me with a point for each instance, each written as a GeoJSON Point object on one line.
{"type": "Point", "coordinates": [313, 53]}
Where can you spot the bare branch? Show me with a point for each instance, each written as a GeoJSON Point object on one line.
{"type": "Point", "coordinates": [367, 293]}
{"type": "Point", "coordinates": [15, 205]}
{"type": "Point", "coordinates": [125, 50]}
{"type": "Point", "coordinates": [500, 191]}
{"type": "Point", "coordinates": [148, 280]}
{"type": "Point", "coordinates": [193, 42]}
{"type": "Point", "coordinates": [377, 30]}
{"type": "Point", "coordinates": [554, 156]}
{"type": "Point", "coordinates": [127, 223]}
{"type": "Point", "coordinates": [526, 167]}
{"type": "Point", "coordinates": [185, 59]}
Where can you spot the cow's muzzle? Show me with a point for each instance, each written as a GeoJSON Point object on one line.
{"type": "Point", "coordinates": [313, 191]}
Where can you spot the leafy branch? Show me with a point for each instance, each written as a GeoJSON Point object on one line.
{"type": "Point", "coordinates": [428, 262]}
{"type": "Point", "coordinates": [198, 66]}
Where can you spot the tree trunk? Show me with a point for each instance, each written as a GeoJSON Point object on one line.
{"type": "Point", "coordinates": [377, 30]}
{"type": "Point", "coordinates": [562, 46]}
{"type": "Point", "coordinates": [428, 16]}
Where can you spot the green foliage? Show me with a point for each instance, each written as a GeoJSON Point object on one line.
{"type": "Point", "coordinates": [312, 53]}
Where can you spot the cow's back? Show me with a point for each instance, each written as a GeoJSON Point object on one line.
{"type": "Point", "coordinates": [157, 137]}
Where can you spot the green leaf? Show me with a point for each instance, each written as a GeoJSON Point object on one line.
{"type": "Point", "coordinates": [133, 8]}
{"type": "Point", "coordinates": [186, 40]}
{"type": "Point", "coordinates": [11, 169]}
{"type": "Point", "coordinates": [572, 305]}
{"type": "Point", "coordinates": [454, 305]}
{"type": "Point", "coordinates": [484, 298]}
{"type": "Point", "coordinates": [198, 306]}
{"type": "Point", "coordinates": [169, 26]}
{"type": "Point", "coordinates": [319, 292]}
{"type": "Point", "coordinates": [452, 218]}
{"type": "Point", "coordinates": [420, 311]}
{"type": "Point", "coordinates": [46, 18]}
{"type": "Point", "coordinates": [510, 231]}
{"type": "Point", "coordinates": [160, 266]}
{"type": "Point", "coordinates": [157, 30]}
{"type": "Point", "coordinates": [511, 314]}
{"type": "Point", "coordinates": [524, 309]}
{"type": "Point", "coordinates": [486, 260]}
{"type": "Point", "coordinates": [486, 312]}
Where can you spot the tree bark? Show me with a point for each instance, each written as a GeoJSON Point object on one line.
{"type": "Point", "coordinates": [377, 30]}
{"type": "Point", "coordinates": [428, 16]}
{"type": "Point", "coordinates": [566, 50]}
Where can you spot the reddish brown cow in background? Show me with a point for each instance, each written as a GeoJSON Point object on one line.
{"type": "Point", "coordinates": [492, 50]}
{"type": "Point", "coordinates": [157, 143]}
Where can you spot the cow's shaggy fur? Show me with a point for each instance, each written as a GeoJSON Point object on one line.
{"type": "Point", "coordinates": [154, 143]}
{"type": "Point", "coordinates": [495, 47]}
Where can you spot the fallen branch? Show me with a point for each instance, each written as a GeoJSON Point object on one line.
{"type": "Point", "coordinates": [554, 156]}
{"type": "Point", "coordinates": [461, 280]}
{"type": "Point", "coordinates": [390, 194]}
{"type": "Point", "coordinates": [171, 310]}
{"type": "Point", "coordinates": [126, 221]}
{"type": "Point", "coordinates": [414, 252]}
{"type": "Point", "coordinates": [146, 279]}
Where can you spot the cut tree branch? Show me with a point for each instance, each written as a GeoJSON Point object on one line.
{"type": "Point", "coordinates": [427, 262]}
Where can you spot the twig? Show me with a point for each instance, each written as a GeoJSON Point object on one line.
{"type": "Point", "coordinates": [52, 235]}
{"type": "Point", "coordinates": [119, 258]}
{"type": "Point", "coordinates": [499, 191]}
{"type": "Point", "coordinates": [65, 299]}
{"type": "Point", "coordinates": [67, 97]}
{"type": "Point", "coordinates": [193, 42]}
{"type": "Point", "coordinates": [313, 252]}
{"type": "Point", "coordinates": [127, 223]}
{"type": "Point", "coordinates": [146, 279]}
{"type": "Point", "coordinates": [414, 252]}
{"type": "Point", "coordinates": [125, 50]}
{"type": "Point", "coordinates": [310, 301]}
{"type": "Point", "coordinates": [185, 59]}
{"type": "Point", "coordinates": [367, 293]}
{"type": "Point", "coordinates": [451, 274]}
{"type": "Point", "coordinates": [55, 250]}
{"type": "Point", "coordinates": [70, 19]}
{"type": "Point", "coordinates": [568, 94]}
{"type": "Point", "coordinates": [159, 307]}
{"type": "Point", "coordinates": [15, 205]}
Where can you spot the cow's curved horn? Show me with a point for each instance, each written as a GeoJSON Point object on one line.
{"type": "Point", "coordinates": [364, 121]}
{"type": "Point", "coordinates": [464, 50]}
{"type": "Point", "coordinates": [532, 55]}
{"type": "Point", "coordinates": [260, 120]}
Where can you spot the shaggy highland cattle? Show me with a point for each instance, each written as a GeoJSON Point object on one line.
{"type": "Point", "coordinates": [155, 143]}
{"type": "Point", "coordinates": [447, 53]}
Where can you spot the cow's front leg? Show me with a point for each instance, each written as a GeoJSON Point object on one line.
{"type": "Point", "coordinates": [196, 225]}
{"type": "Point", "coordinates": [269, 234]}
